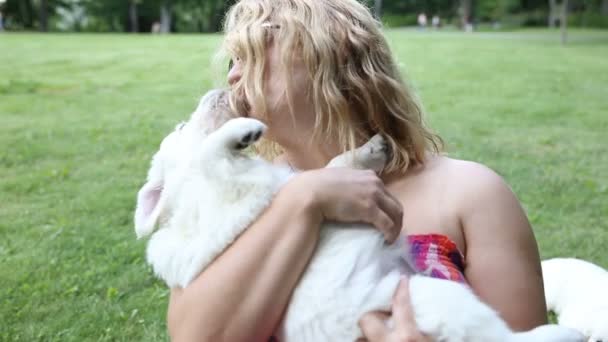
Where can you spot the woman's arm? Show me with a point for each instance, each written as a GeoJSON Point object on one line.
{"type": "Point", "coordinates": [243, 293]}
{"type": "Point", "coordinates": [502, 258]}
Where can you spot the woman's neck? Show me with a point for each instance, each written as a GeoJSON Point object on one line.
{"type": "Point", "coordinates": [306, 156]}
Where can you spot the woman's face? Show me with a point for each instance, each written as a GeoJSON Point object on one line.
{"type": "Point", "coordinates": [281, 124]}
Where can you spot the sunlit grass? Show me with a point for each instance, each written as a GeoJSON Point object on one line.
{"type": "Point", "coordinates": [82, 114]}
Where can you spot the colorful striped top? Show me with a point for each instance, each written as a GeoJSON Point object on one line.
{"type": "Point", "coordinates": [437, 256]}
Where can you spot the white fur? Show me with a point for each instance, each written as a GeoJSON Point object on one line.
{"type": "Point", "coordinates": [203, 191]}
{"type": "Point", "coordinates": [577, 291]}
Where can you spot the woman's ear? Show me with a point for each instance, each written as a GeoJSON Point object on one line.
{"type": "Point", "coordinates": [150, 203]}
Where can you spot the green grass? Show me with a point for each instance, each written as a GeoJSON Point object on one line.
{"type": "Point", "coordinates": [82, 114]}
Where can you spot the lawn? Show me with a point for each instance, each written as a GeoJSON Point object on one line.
{"type": "Point", "coordinates": [82, 114]}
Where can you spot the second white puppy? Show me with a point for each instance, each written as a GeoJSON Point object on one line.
{"type": "Point", "coordinates": [577, 291]}
{"type": "Point", "coordinates": [203, 191]}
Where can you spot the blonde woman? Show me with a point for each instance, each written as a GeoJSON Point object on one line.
{"type": "Point", "coordinates": [320, 74]}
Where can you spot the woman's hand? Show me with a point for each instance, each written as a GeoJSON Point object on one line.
{"type": "Point", "coordinates": [347, 195]}
{"type": "Point", "coordinates": [374, 327]}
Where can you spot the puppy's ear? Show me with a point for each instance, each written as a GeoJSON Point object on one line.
{"type": "Point", "coordinates": [150, 204]}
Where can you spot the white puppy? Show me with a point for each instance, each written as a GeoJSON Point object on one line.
{"type": "Point", "coordinates": [577, 291]}
{"type": "Point", "coordinates": [203, 191]}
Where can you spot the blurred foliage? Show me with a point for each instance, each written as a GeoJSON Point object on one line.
{"type": "Point", "coordinates": [206, 15]}
{"type": "Point", "coordinates": [588, 19]}
{"type": "Point", "coordinates": [114, 15]}
{"type": "Point", "coordinates": [399, 20]}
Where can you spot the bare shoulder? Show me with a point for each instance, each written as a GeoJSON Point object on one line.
{"type": "Point", "coordinates": [481, 200]}
{"type": "Point", "coordinates": [488, 210]}
{"type": "Point", "coordinates": [461, 186]}
{"type": "Point", "coordinates": [475, 182]}
{"type": "Point", "coordinates": [471, 175]}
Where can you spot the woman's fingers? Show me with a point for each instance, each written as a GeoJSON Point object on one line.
{"type": "Point", "coordinates": [373, 326]}
{"type": "Point", "coordinates": [384, 211]}
{"type": "Point", "coordinates": [347, 195]}
{"type": "Point", "coordinates": [403, 314]}
{"type": "Point", "coordinates": [392, 208]}
{"type": "Point", "coordinates": [406, 328]}
{"type": "Point", "coordinates": [385, 225]}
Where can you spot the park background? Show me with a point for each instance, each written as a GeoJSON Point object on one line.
{"type": "Point", "coordinates": [84, 105]}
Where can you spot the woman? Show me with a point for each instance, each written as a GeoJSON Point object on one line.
{"type": "Point", "coordinates": [321, 76]}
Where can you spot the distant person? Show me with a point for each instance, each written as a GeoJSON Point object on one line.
{"type": "Point", "coordinates": [156, 27]}
{"type": "Point", "coordinates": [422, 21]}
{"type": "Point", "coordinates": [468, 27]}
{"type": "Point", "coordinates": [436, 21]}
{"type": "Point", "coordinates": [1, 23]}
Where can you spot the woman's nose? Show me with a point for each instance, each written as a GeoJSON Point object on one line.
{"type": "Point", "coordinates": [234, 74]}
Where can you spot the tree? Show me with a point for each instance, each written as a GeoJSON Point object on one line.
{"type": "Point", "coordinates": [165, 16]}
{"type": "Point", "coordinates": [564, 21]}
{"type": "Point", "coordinates": [494, 10]}
{"type": "Point", "coordinates": [133, 19]}
{"type": "Point", "coordinates": [72, 16]}
{"type": "Point", "coordinates": [43, 15]}
{"type": "Point", "coordinates": [466, 9]}
{"type": "Point", "coordinates": [558, 12]}
{"type": "Point", "coordinates": [378, 8]}
{"type": "Point", "coordinates": [199, 16]}
{"type": "Point", "coordinates": [26, 11]}
{"type": "Point", "coordinates": [553, 13]}
{"type": "Point", "coordinates": [30, 14]}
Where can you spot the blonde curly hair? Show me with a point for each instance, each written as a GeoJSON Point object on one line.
{"type": "Point", "coordinates": [355, 85]}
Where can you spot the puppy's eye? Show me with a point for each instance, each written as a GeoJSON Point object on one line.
{"type": "Point", "coordinates": [230, 65]}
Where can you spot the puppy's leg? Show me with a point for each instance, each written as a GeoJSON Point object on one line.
{"type": "Point", "coordinates": [235, 135]}
{"type": "Point", "coordinates": [372, 155]}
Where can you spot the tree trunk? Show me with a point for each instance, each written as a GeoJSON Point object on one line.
{"type": "Point", "coordinates": [27, 13]}
{"type": "Point", "coordinates": [465, 13]}
{"type": "Point", "coordinates": [378, 9]}
{"type": "Point", "coordinates": [133, 16]}
{"type": "Point", "coordinates": [564, 21]}
{"type": "Point", "coordinates": [213, 17]}
{"type": "Point", "coordinates": [552, 11]}
{"type": "Point", "coordinates": [604, 7]}
{"type": "Point", "coordinates": [165, 16]}
{"type": "Point", "coordinates": [43, 16]}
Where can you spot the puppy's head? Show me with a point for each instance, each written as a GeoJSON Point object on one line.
{"type": "Point", "coordinates": [211, 113]}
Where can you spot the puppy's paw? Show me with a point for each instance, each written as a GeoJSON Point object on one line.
{"type": "Point", "coordinates": [243, 132]}
{"type": "Point", "coordinates": [250, 137]}
{"type": "Point", "coordinates": [373, 154]}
